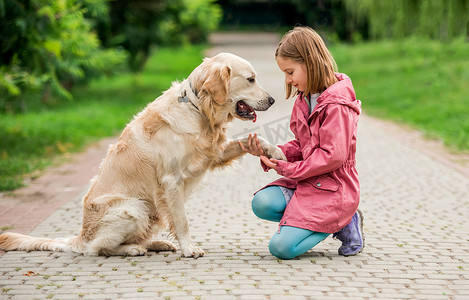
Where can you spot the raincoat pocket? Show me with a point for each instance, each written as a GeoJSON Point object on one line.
{"type": "Point", "coordinates": [326, 183]}
{"type": "Point", "coordinates": [320, 188]}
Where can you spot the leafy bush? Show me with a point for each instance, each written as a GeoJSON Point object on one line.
{"type": "Point", "coordinates": [46, 47]}
{"type": "Point", "coordinates": [138, 25]}
{"type": "Point", "coordinates": [199, 18]}
{"type": "Point", "coordinates": [433, 19]}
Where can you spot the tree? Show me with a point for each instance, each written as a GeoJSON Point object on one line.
{"type": "Point", "coordinates": [434, 19]}
{"type": "Point", "coordinates": [46, 47]}
{"type": "Point", "coordinates": [138, 25]}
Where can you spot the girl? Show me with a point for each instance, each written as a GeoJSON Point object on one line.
{"type": "Point", "coordinates": [319, 192]}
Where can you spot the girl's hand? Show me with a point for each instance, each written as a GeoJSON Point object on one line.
{"type": "Point", "coordinates": [271, 163]}
{"type": "Point", "coordinates": [254, 146]}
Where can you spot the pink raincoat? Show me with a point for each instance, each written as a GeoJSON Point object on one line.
{"type": "Point", "coordinates": [321, 160]}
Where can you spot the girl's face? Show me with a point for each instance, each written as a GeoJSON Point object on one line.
{"type": "Point", "coordinates": [295, 73]}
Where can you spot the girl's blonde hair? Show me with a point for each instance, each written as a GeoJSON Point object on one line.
{"type": "Point", "coordinates": [304, 45]}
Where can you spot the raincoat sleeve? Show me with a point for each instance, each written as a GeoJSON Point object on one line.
{"type": "Point", "coordinates": [292, 150]}
{"type": "Point", "coordinates": [335, 136]}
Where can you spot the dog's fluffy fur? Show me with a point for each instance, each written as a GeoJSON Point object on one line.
{"type": "Point", "coordinates": [160, 157]}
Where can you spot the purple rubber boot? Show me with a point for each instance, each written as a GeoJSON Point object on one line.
{"type": "Point", "coordinates": [351, 236]}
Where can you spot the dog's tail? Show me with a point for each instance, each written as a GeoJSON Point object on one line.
{"type": "Point", "coordinates": [10, 241]}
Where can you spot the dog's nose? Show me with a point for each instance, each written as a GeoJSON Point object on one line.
{"type": "Point", "coordinates": [271, 100]}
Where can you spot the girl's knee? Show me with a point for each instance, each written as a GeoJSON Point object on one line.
{"type": "Point", "coordinates": [280, 249]}
{"type": "Point", "coordinates": [269, 203]}
{"type": "Point", "coordinates": [260, 205]}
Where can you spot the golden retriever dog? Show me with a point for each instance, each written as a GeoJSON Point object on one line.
{"type": "Point", "coordinates": [146, 177]}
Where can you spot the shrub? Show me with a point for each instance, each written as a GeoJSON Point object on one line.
{"type": "Point", "coordinates": [47, 46]}
{"type": "Point", "coordinates": [138, 25]}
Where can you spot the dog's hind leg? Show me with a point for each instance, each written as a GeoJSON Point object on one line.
{"type": "Point", "coordinates": [161, 246]}
{"type": "Point", "coordinates": [122, 228]}
{"type": "Point", "coordinates": [129, 250]}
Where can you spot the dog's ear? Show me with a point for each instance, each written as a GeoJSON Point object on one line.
{"type": "Point", "coordinates": [218, 83]}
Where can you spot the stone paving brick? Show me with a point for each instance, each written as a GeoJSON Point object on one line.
{"type": "Point", "coordinates": [415, 211]}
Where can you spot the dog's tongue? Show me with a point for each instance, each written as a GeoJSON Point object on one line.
{"type": "Point", "coordinates": [247, 110]}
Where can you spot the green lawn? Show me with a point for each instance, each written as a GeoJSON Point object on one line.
{"type": "Point", "coordinates": [424, 84]}
{"type": "Point", "coordinates": [31, 141]}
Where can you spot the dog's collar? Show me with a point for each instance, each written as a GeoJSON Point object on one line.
{"type": "Point", "coordinates": [185, 97]}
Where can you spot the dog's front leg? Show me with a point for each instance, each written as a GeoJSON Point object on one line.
{"type": "Point", "coordinates": [231, 151]}
{"type": "Point", "coordinates": [271, 151]}
{"type": "Point", "coordinates": [178, 219]}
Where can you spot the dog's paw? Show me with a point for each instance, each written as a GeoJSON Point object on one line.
{"type": "Point", "coordinates": [134, 250]}
{"type": "Point", "coordinates": [271, 151]}
{"type": "Point", "coordinates": [276, 153]}
{"type": "Point", "coordinates": [192, 251]}
{"type": "Point", "coordinates": [161, 246]}
{"type": "Point", "coordinates": [90, 253]}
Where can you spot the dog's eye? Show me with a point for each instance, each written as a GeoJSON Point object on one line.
{"type": "Point", "coordinates": [252, 80]}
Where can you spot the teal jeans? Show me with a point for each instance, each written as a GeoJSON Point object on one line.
{"type": "Point", "coordinates": [290, 242]}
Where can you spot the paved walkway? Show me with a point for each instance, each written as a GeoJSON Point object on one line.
{"type": "Point", "coordinates": [416, 225]}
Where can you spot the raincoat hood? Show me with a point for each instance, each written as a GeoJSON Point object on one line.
{"type": "Point", "coordinates": [341, 92]}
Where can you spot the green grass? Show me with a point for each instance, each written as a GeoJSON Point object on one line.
{"type": "Point", "coordinates": [32, 141]}
{"type": "Point", "coordinates": [423, 84]}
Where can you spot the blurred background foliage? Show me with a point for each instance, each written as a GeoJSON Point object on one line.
{"type": "Point", "coordinates": [74, 71]}
{"type": "Point", "coordinates": [354, 20]}
{"type": "Point", "coordinates": [138, 25]}
{"type": "Point", "coordinates": [48, 46]}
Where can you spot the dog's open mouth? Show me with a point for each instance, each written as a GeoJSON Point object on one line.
{"type": "Point", "coordinates": [246, 112]}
